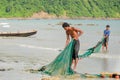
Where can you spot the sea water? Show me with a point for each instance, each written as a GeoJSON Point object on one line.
{"type": "Point", "coordinates": [19, 54]}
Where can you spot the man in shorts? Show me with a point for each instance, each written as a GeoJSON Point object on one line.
{"type": "Point", "coordinates": [106, 37]}
{"type": "Point", "coordinates": [74, 33]}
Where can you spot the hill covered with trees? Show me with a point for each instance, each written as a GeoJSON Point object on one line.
{"type": "Point", "coordinates": [69, 8]}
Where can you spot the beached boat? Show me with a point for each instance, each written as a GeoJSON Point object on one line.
{"type": "Point", "coordinates": [18, 34]}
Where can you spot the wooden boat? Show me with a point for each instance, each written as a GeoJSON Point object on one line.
{"type": "Point", "coordinates": [18, 34]}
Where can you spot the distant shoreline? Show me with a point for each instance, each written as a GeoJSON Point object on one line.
{"type": "Point", "coordinates": [44, 15]}
{"type": "Point", "coordinates": [81, 18]}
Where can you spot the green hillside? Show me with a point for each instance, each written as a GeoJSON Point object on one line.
{"type": "Point", "coordinates": [70, 8]}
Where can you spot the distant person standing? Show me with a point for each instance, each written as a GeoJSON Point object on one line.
{"type": "Point", "coordinates": [106, 37]}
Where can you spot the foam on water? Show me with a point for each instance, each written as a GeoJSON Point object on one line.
{"type": "Point", "coordinates": [6, 25]}
{"type": "Point", "coordinates": [37, 47]}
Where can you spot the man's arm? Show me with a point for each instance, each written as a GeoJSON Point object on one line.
{"type": "Point", "coordinates": [106, 35]}
{"type": "Point", "coordinates": [78, 30]}
{"type": "Point", "coordinates": [67, 39]}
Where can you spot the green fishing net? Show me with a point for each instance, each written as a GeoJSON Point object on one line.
{"type": "Point", "coordinates": [62, 64]}
{"type": "Point", "coordinates": [94, 49]}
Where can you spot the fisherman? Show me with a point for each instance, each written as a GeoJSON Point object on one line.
{"type": "Point", "coordinates": [106, 37]}
{"type": "Point", "coordinates": [74, 33]}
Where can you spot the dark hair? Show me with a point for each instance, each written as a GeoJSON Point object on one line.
{"type": "Point", "coordinates": [65, 25]}
{"type": "Point", "coordinates": [108, 26]}
{"type": "Point", "coordinates": [114, 75]}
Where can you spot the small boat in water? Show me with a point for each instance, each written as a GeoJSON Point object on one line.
{"type": "Point", "coordinates": [18, 34]}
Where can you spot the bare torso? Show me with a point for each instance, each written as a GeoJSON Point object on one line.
{"type": "Point", "coordinates": [73, 33]}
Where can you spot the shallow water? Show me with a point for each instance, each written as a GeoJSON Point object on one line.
{"type": "Point", "coordinates": [19, 54]}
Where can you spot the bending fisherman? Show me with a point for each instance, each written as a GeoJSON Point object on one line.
{"type": "Point", "coordinates": [74, 33]}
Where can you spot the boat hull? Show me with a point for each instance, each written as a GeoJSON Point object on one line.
{"type": "Point", "coordinates": [18, 34]}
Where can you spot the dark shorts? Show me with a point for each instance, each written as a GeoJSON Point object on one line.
{"type": "Point", "coordinates": [105, 41]}
{"type": "Point", "coordinates": [76, 49]}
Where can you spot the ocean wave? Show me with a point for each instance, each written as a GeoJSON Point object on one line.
{"type": "Point", "coordinates": [6, 25]}
{"type": "Point", "coordinates": [38, 47]}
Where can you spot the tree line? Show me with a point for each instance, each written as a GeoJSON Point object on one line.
{"type": "Point", "coordinates": [70, 8]}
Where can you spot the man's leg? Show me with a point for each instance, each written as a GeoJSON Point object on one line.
{"type": "Point", "coordinates": [106, 46]}
{"type": "Point", "coordinates": [76, 50]}
{"type": "Point", "coordinates": [103, 47]}
{"type": "Point", "coordinates": [75, 64]}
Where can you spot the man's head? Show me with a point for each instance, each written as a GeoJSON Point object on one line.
{"type": "Point", "coordinates": [65, 25]}
{"type": "Point", "coordinates": [107, 27]}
